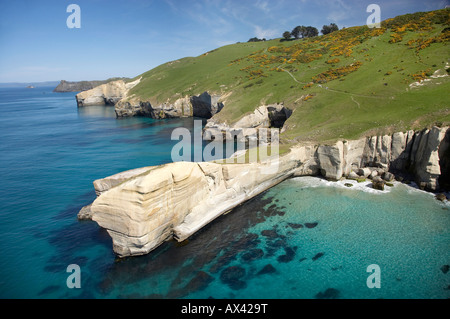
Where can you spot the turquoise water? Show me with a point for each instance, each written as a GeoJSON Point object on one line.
{"type": "Point", "coordinates": [318, 237]}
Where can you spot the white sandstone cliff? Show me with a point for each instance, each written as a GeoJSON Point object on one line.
{"type": "Point", "coordinates": [177, 199]}
{"type": "Point", "coordinates": [105, 94]}
{"type": "Point", "coordinates": [265, 116]}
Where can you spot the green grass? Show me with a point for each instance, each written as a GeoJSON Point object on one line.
{"type": "Point", "coordinates": [373, 99]}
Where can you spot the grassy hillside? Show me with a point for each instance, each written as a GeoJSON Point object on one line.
{"type": "Point", "coordinates": [342, 85]}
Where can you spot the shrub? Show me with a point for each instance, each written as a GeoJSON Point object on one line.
{"type": "Point", "coordinates": [333, 61]}
{"type": "Point", "coordinates": [308, 97]}
{"type": "Point", "coordinates": [421, 75]}
{"type": "Point", "coordinates": [333, 74]}
{"type": "Point", "coordinates": [255, 39]}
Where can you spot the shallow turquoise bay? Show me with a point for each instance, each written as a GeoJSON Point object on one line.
{"type": "Point", "coordinates": [318, 237]}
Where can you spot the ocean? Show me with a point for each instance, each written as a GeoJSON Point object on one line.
{"type": "Point", "coordinates": [304, 238]}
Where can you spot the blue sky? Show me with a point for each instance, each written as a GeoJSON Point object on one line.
{"type": "Point", "coordinates": [127, 38]}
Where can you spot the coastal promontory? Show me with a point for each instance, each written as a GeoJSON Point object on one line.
{"type": "Point", "coordinates": [79, 86]}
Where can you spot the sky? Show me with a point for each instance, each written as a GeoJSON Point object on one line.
{"type": "Point", "coordinates": [127, 38]}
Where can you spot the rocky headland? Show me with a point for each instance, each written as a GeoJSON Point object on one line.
{"type": "Point", "coordinates": [145, 207]}
{"type": "Point", "coordinates": [79, 86]}
{"type": "Point", "coordinates": [105, 94]}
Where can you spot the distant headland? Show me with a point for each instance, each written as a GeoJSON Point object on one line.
{"type": "Point", "coordinates": [66, 86]}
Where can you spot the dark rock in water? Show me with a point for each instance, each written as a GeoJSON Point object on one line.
{"type": "Point", "coordinates": [269, 211]}
{"type": "Point", "coordinates": [277, 243]}
{"type": "Point", "coordinates": [228, 256]}
{"type": "Point", "coordinates": [317, 256]}
{"type": "Point", "coordinates": [445, 269]}
{"type": "Point", "coordinates": [270, 251]}
{"type": "Point", "coordinates": [224, 244]}
{"type": "Point", "coordinates": [285, 258]}
{"type": "Point", "coordinates": [199, 282]}
{"type": "Point", "coordinates": [232, 277]}
{"type": "Point", "coordinates": [289, 256]}
{"type": "Point", "coordinates": [270, 233]}
{"type": "Point", "coordinates": [248, 241]}
{"type": "Point", "coordinates": [330, 293]}
{"type": "Point", "coordinates": [231, 273]}
{"type": "Point", "coordinates": [273, 210]}
{"type": "Point", "coordinates": [230, 253]}
{"type": "Point", "coordinates": [295, 226]}
{"type": "Point", "coordinates": [267, 269]}
{"type": "Point", "coordinates": [388, 176]}
{"type": "Point", "coordinates": [273, 246]}
{"type": "Point", "coordinates": [378, 183]}
{"type": "Point", "coordinates": [302, 259]}
{"type": "Point", "coordinates": [311, 225]}
{"type": "Point", "coordinates": [441, 197]}
{"type": "Point", "coordinates": [348, 184]}
{"type": "Point", "coordinates": [252, 255]}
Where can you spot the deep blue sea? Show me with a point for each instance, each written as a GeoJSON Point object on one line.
{"type": "Point", "coordinates": [305, 238]}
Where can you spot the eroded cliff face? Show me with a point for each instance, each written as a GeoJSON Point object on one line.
{"type": "Point", "coordinates": [117, 93]}
{"type": "Point", "coordinates": [204, 105]}
{"type": "Point", "coordinates": [248, 126]}
{"type": "Point", "coordinates": [144, 207]}
{"type": "Point", "coordinates": [135, 107]}
{"type": "Point", "coordinates": [416, 153]}
{"type": "Point", "coordinates": [105, 94]}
